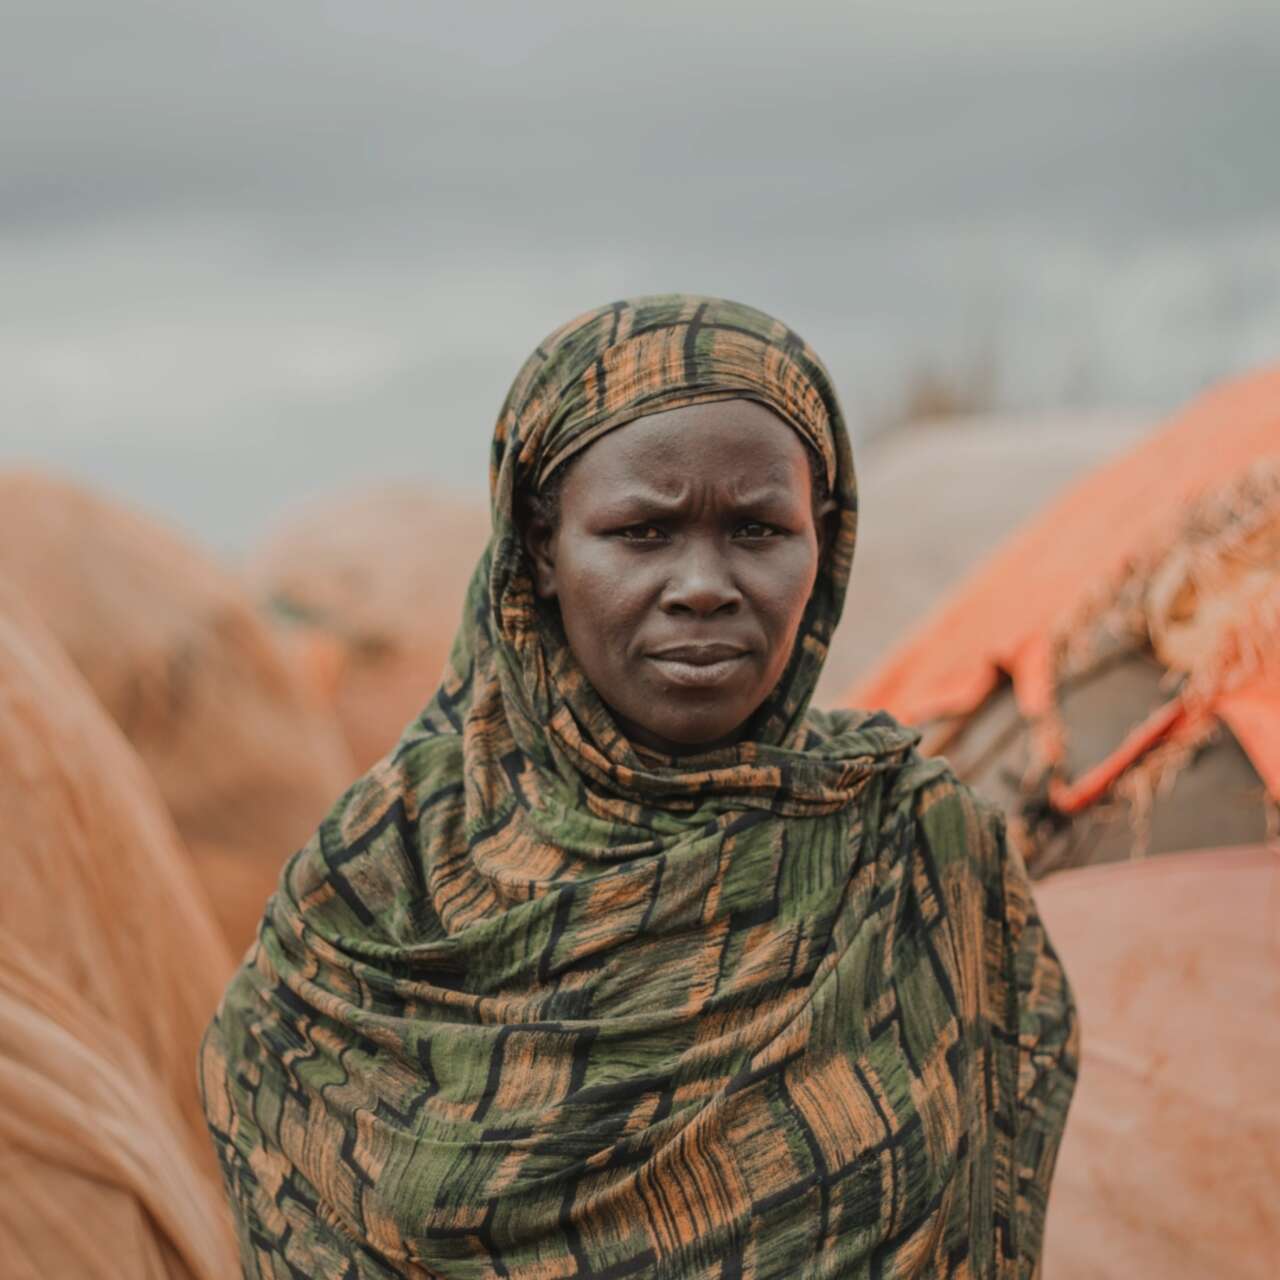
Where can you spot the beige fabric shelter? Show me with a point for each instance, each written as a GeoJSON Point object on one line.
{"type": "Point", "coordinates": [111, 965]}
{"type": "Point", "coordinates": [246, 758]}
{"type": "Point", "coordinates": [934, 498]}
{"type": "Point", "coordinates": [1170, 1166]}
{"type": "Point", "coordinates": [369, 591]}
{"type": "Point", "coordinates": [1110, 674]}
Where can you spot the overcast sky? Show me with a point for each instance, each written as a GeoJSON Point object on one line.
{"type": "Point", "coordinates": [253, 252]}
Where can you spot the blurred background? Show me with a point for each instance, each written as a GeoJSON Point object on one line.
{"type": "Point", "coordinates": [267, 272]}
{"type": "Point", "coordinates": [253, 253]}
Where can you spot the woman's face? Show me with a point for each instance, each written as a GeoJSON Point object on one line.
{"type": "Point", "coordinates": [685, 552]}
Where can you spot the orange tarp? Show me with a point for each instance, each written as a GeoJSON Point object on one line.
{"type": "Point", "coordinates": [111, 966]}
{"type": "Point", "coordinates": [369, 590]}
{"type": "Point", "coordinates": [967, 484]}
{"type": "Point", "coordinates": [244, 754]}
{"type": "Point", "coordinates": [1170, 1165]}
{"type": "Point", "coordinates": [1003, 618]}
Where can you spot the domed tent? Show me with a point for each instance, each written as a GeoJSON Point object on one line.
{"type": "Point", "coordinates": [246, 758]}
{"type": "Point", "coordinates": [1110, 674]}
{"type": "Point", "coordinates": [112, 964]}
{"type": "Point", "coordinates": [369, 591]}
{"type": "Point", "coordinates": [934, 498]}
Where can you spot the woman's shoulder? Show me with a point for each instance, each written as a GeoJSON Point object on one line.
{"type": "Point", "coordinates": [958, 824]}
{"type": "Point", "coordinates": [367, 857]}
{"type": "Point", "coordinates": [849, 732]}
{"type": "Point", "coordinates": [962, 833]}
{"type": "Point", "coordinates": [402, 788]}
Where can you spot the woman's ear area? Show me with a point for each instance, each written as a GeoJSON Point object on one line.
{"type": "Point", "coordinates": [539, 537]}
{"type": "Point", "coordinates": [826, 519]}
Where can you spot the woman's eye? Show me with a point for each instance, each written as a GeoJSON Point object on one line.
{"type": "Point", "coordinates": [755, 529]}
{"type": "Point", "coordinates": [642, 533]}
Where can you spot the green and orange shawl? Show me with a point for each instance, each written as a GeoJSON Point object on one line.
{"type": "Point", "coordinates": [533, 1003]}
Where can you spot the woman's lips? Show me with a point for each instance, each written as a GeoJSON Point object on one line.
{"type": "Point", "coordinates": [700, 666]}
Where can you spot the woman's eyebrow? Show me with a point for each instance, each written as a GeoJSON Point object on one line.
{"type": "Point", "coordinates": [770, 491]}
{"type": "Point", "coordinates": [648, 499]}
{"type": "Point", "coordinates": [645, 500]}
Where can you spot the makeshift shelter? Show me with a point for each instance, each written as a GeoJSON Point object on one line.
{"type": "Point", "coordinates": [246, 758]}
{"type": "Point", "coordinates": [1111, 675]}
{"type": "Point", "coordinates": [112, 964]}
{"type": "Point", "coordinates": [1170, 1165]}
{"type": "Point", "coordinates": [368, 590]}
{"type": "Point", "coordinates": [934, 498]}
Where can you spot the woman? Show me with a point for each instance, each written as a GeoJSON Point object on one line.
{"type": "Point", "coordinates": [624, 962]}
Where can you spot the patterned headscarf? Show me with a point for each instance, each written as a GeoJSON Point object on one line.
{"type": "Point", "coordinates": [533, 1003]}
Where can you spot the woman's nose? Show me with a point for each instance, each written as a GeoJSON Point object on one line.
{"type": "Point", "coordinates": [701, 584]}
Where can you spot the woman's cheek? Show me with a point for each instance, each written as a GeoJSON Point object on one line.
{"type": "Point", "coordinates": [624, 582]}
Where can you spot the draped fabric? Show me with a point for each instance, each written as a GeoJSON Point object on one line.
{"type": "Point", "coordinates": [111, 964]}
{"type": "Point", "coordinates": [535, 1003]}
{"type": "Point", "coordinates": [173, 650]}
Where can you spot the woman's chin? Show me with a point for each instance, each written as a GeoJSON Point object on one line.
{"type": "Point", "coordinates": [685, 735]}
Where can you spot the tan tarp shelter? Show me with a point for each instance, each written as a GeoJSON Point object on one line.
{"type": "Point", "coordinates": [1170, 1166]}
{"type": "Point", "coordinates": [1111, 674]}
{"type": "Point", "coordinates": [934, 498]}
{"type": "Point", "coordinates": [111, 966]}
{"type": "Point", "coordinates": [369, 591]}
{"type": "Point", "coordinates": [1006, 617]}
{"type": "Point", "coordinates": [246, 758]}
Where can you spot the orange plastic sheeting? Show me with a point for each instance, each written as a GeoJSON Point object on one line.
{"type": "Point", "coordinates": [246, 758]}
{"type": "Point", "coordinates": [370, 591]}
{"type": "Point", "coordinates": [1002, 617]}
{"type": "Point", "coordinates": [967, 484]}
{"type": "Point", "coordinates": [1170, 1165]}
{"type": "Point", "coordinates": [1253, 716]}
{"type": "Point", "coordinates": [112, 964]}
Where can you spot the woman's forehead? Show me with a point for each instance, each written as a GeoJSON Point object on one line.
{"type": "Point", "coordinates": [738, 438]}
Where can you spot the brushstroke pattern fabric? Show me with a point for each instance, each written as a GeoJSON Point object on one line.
{"type": "Point", "coordinates": [534, 1003]}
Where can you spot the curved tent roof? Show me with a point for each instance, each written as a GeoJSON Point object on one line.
{"type": "Point", "coordinates": [246, 758]}
{"type": "Point", "coordinates": [111, 966]}
{"type": "Point", "coordinates": [1008, 616]}
{"type": "Point", "coordinates": [934, 498]}
{"type": "Point", "coordinates": [368, 589]}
